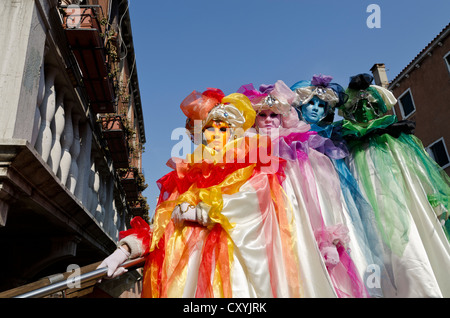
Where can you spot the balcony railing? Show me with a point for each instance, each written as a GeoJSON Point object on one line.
{"type": "Point", "coordinates": [84, 35]}
{"type": "Point", "coordinates": [114, 131]}
{"type": "Point", "coordinates": [67, 283]}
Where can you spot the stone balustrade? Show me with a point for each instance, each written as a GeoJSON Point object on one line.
{"type": "Point", "coordinates": [67, 148]}
{"type": "Point", "coordinates": [61, 199]}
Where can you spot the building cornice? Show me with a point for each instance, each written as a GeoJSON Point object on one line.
{"type": "Point", "coordinates": [426, 52]}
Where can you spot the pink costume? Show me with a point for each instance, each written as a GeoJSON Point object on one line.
{"type": "Point", "coordinates": [313, 188]}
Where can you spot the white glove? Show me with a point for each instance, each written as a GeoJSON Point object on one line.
{"type": "Point", "coordinates": [202, 214]}
{"type": "Point", "coordinates": [113, 262]}
{"type": "Point", "coordinates": [187, 212]}
{"type": "Point", "coordinates": [330, 255]}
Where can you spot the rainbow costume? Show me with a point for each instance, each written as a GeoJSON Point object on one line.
{"type": "Point", "coordinates": [246, 249]}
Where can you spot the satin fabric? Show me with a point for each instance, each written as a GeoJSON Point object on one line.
{"type": "Point", "coordinates": [368, 249]}
{"type": "Point", "coordinates": [380, 96]}
{"type": "Point", "coordinates": [247, 251]}
{"type": "Point", "coordinates": [277, 97]}
{"type": "Point", "coordinates": [318, 283]}
{"type": "Point", "coordinates": [361, 129]}
{"type": "Point", "coordinates": [324, 93]}
{"type": "Point", "coordinates": [313, 186]}
{"type": "Point", "coordinates": [399, 178]}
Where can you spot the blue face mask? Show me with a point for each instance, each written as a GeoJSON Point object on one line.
{"type": "Point", "coordinates": [314, 110]}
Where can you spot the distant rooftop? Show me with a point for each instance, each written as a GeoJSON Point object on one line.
{"type": "Point", "coordinates": [422, 54]}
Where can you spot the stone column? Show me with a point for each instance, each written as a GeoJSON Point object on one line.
{"type": "Point", "coordinates": [47, 109]}
{"type": "Point", "coordinates": [57, 127]}
{"type": "Point", "coordinates": [66, 143]}
{"type": "Point", "coordinates": [108, 189]}
{"type": "Point", "coordinates": [75, 152]}
{"type": "Point", "coordinates": [90, 185]}
{"type": "Point", "coordinates": [84, 164]}
{"type": "Point", "coordinates": [95, 188]}
{"type": "Point", "coordinates": [115, 220]}
{"type": "Point", "coordinates": [101, 216]}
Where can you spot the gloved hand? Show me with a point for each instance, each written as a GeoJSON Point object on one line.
{"type": "Point", "coordinates": [113, 262]}
{"type": "Point", "coordinates": [329, 239]}
{"type": "Point", "coordinates": [187, 212]}
{"type": "Point", "coordinates": [330, 255]}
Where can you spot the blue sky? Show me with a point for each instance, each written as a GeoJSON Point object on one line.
{"type": "Point", "coordinates": [186, 45]}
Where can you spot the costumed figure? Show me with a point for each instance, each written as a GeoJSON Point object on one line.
{"type": "Point", "coordinates": [317, 100]}
{"type": "Point", "coordinates": [329, 271]}
{"type": "Point", "coordinates": [220, 227]}
{"type": "Point", "coordinates": [406, 188]}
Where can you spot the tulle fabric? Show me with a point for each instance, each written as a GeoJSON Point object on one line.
{"type": "Point", "coordinates": [361, 217]}
{"type": "Point", "coordinates": [141, 230]}
{"type": "Point", "coordinates": [307, 173]}
{"type": "Point", "coordinates": [247, 251]}
{"type": "Point", "coordinates": [197, 105]}
{"type": "Point", "coordinates": [300, 131]}
{"type": "Point", "coordinates": [399, 178]}
{"type": "Point", "coordinates": [405, 153]}
{"type": "Point", "coordinates": [360, 130]}
{"type": "Point", "coordinates": [290, 120]}
{"type": "Point", "coordinates": [367, 246]}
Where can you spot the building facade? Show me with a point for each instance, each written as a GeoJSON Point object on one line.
{"type": "Point", "coordinates": [423, 92]}
{"type": "Point", "coordinates": [71, 135]}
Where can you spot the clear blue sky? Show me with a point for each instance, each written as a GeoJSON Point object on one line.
{"type": "Point", "coordinates": [186, 45]}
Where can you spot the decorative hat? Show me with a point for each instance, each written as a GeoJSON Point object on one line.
{"type": "Point", "coordinates": [320, 86]}
{"type": "Point", "coordinates": [234, 109]}
{"type": "Point", "coordinates": [276, 97]}
{"type": "Point", "coordinates": [359, 88]}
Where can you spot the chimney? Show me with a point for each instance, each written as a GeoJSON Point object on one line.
{"type": "Point", "coordinates": [379, 75]}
